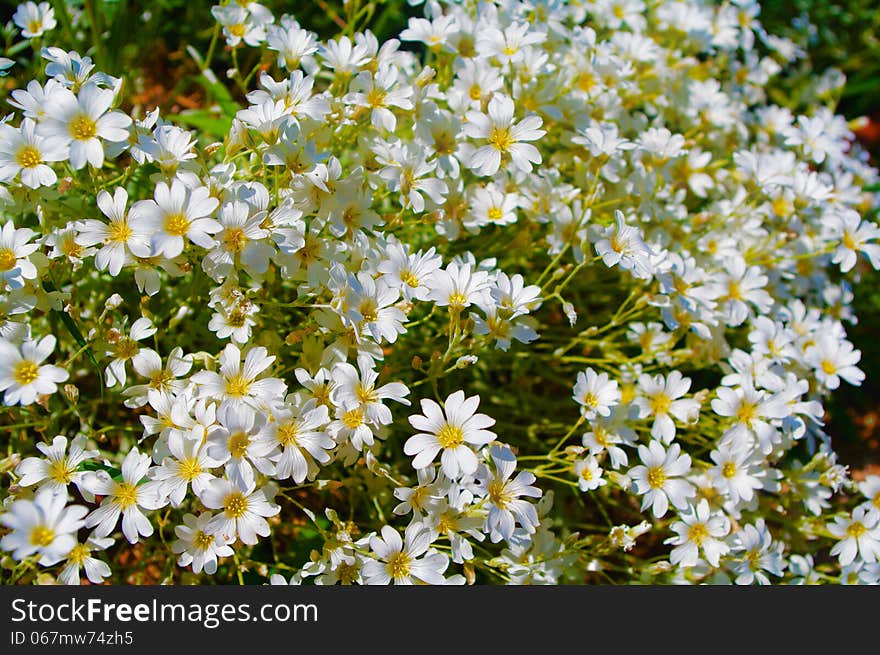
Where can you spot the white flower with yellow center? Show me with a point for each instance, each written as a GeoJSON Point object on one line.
{"type": "Point", "coordinates": [121, 237]}
{"type": "Point", "coordinates": [59, 468]}
{"type": "Point", "coordinates": [197, 545]}
{"type": "Point", "coordinates": [34, 19]}
{"type": "Point", "coordinates": [699, 529]}
{"type": "Point", "coordinates": [297, 432]}
{"type": "Point", "coordinates": [25, 153]}
{"type": "Point", "coordinates": [505, 139]}
{"type": "Point", "coordinates": [453, 429]}
{"type": "Point", "coordinates": [176, 212]}
{"type": "Point", "coordinates": [124, 348]}
{"type": "Point", "coordinates": [504, 495]}
{"type": "Point", "coordinates": [357, 387]}
{"type": "Point", "coordinates": [589, 474]}
{"type": "Point", "coordinates": [858, 535]}
{"type": "Point", "coordinates": [659, 479]}
{"type": "Point", "coordinates": [126, 497]}
{"type": "Point", "coordinates": [236, 382]}
{"type": "Point", "coordinates": [235, 443]}
{"type": "Point", "coordinates": [23, 377]}
{"type": "Point", "coordinates": [44, 526]}
{"type": "Point", "coordinates": [405, 561]}
{"type": "Point", "coordinates": [80, 557]}
{"type": "Point", "coordinates": [661, 399]}
{"type": "Point", "coordinates": [596, 393]}
{"type": "Point", "coordinates": [188, 465]}
{"type": "Point", "coordinates": [242, 514]}
{"type": "Point", "coordinates": [84, 121]}
{"type": "Point", "coordinates": [458, 286]}
{"type": "Point", "coordinates": [15, 267]}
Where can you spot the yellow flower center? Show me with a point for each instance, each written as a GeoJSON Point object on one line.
{"type": "Point", "coordinates": [501, 139]}
{"type": "Point", "coordinates": [450, 436]}
{"type": "Point", "coordinates": [366, 395]}
{"type": "Point", "coordinates": [828, 367]}
{"type": "Point", "coordinates": [698, 533]}
{"type": "Point", "coordinates": [118, 232]}
{"type": "Point", "coordinates": [728, 470]}
{"type": "Point", "coordinates": [78, 554]}
{"type": "Point", "coordinates": [587, 473]}
{"type": "Point", "coordinates": [656, 477]}
{"type": "Point", "coordinates": [60, 472]}
{"type": "Point", "coordinates": [25, 372]}
{"type": "Point", "coordinates": [398, 565]}
{"type": "Point", "coordinates": [660, 404]}
{"type": "Point", "coordinates": [235, 505]}
{"type": "Point", "coordinates": [734, 292]}
{"type": "Point", "coordinates": [125, 494]}
{"type": "Point", "coordinates": [7, 259]}
{"type": "Point", "coordinates": [234, 239]}
{"type": "Point", "coordinates": [177, 224]}
{"type": "Point", "coordinates": [83, 128]}
{"type": "Point", "coordinates": [189, 468]}
{"type": "Point", "coordinates": [856, 530]}
{"type": "Point", "coordinates": [202, 540]}
{"type": "Point", "coordinates": [238, 29]}
{"type": "Point", "coordinates": [849, 241]}
{"type": "Point", "coordinates": [591, 400]}
{"type": "Point", "coordinates": [238, 444]}
{"type": "Point", "coordinates": [475, 92]}
{"type": "Point", "coordinates": [287, 434]}
{"type": "Point", "coordinates": [457, 299]}
{"type": "Point", "coordinates": [376, 97]}
{"type": "Point", "coordinates": [495, 213]}
{"type": "Point", "coordinates": [407, 277]}
{"type": "Point", "coordinates": [353, 418]}
{"type": "Point", "coordinates": [160, 379]}
{"type": "Point", "coordinates": [42, 536]}
{"type": "Point", "coordinates": [498, 494]}
{"type": "Point", "coordinates": [369, 310]}
{"type": "Point", "coordinates": [34, 26]}
{"type": "Point", "coordinates": [28, 157]}
{"type": "Point", "coordinates": [237, 386]}
{"type": "Point", "coordinates": [746, 413]}
{"type": "Point", "coordinates": [126, 348]}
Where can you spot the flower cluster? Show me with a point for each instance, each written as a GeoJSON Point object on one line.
{"type": "Point", "coordinates": [551, 279]}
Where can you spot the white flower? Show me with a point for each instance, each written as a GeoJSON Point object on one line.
{"type": "Point", "coordinates": [59, 469]}
{"type": "Point", "coordinates": [699, 529]}
{"type": "Point", "coordinates": [451, 429]}
{"type": "Point", "coordinates": [45, 526]}
{"type": "Point", "coordinates": [659, 479]}
{"type": "Point", "coordinates": [854, 235]}
{"type": "Point", "coordinates": [357, 388]}
{"type": "Point", "coordinates": [243, 511]}
{"type": "Point", "coordinates": [409, 272]}
{"type": "Point", "coordinates": [188, 465]}
{"type": "Point", "coordinates": [834, 359]}
{"type": "Point", "coordinates": [857, 535]}
{"type": "Point", "coordinates": [237, 382]}
{"type": "Point", "coordinates": [377, 93]}
{"type": "Point", "coordinates": [735, 474]}
{"type": "Point", "coordinates": [622, 245]}
{"type": "Point", "coordinates": [34, 19]}
{"type": "Point", "coordinates": [121, 238]}
{"type": "Point", "coordinates": [177, 212]}
{"type": "Point", "coordinates": [405, 562]}
{"type": "Point", "coordinates": [23, 152]}
{"type": "Point", "coordinates": [663, 401]}
{"type": "Point", "coordinates": [505, 138]}
{"type": "Point", "coordinates": [126, 497]}
{"type": "Point", "coordinates": [80, 557]}
{"type": "Point", "coordinates": [506, 507]}
{"type": "Point", "coordinates": [457, 286]}
{"type": "Point", "coordinates": [197, 545]}
{"type": "Point", "coordinates": [125, 348]}
{"type": "Point", "coordinates": [589, 474]}
{"type": "Point", "coordinates": [596, 393]}
{"type": "Point", "coordinates": [298, 433]}
{"type": "Point", "coordinates": [234, 443]}
{"type": "Point", "coordinates": [23, 377]}
{"type": "Point", "coordinates": [15, 267]}
{"type": "Point", "coordinates": [755, 553]}
{"type": "Point", "coordinates": [83, 121]}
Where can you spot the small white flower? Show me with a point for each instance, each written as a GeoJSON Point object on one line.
{"type": "Point", "coordinates": [59, 469]}
{"type": "Point", "coordinates": [197, 545]}
{"type": "Point", "coordinates": [405, 562]}
{"type": "Point", "coordinates": [505, 138]}
{"type": "Point", "coordinates": [452, 429]}
{"type": "Point", "coordinates": [596, 393]}
{"type": "Point", "coordinates": [699, 529]}
{"type": "Point", "coordinates": [857, 535]}
{"type": "Point", "coordinates": [660, 478]}
{"type": "Point", "coordinates": [45, 526]}
{"type": "Point", "coordinates": [243, 511]}
{"type": "Point", "coordinates": [23, 377]}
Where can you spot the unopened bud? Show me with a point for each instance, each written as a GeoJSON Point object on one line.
{"type": "Point", "coordinates": [71, 392]}
{"type": "Point", "coordinates": [113, 302]}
